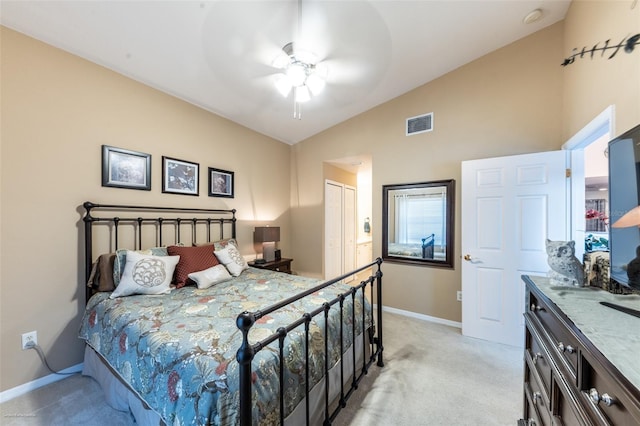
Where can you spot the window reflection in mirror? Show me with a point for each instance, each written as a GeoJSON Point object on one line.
{"type": "Point", "coordinates": [417, 223]}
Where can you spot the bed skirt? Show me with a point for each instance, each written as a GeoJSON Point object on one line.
{"type": "Point", "coordinates": [121, 397]}
{"type": "Point", "coordinates": [116, 392]}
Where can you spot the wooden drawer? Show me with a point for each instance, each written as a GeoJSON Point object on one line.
{"type": "Point", "coordinates": [537, 399]}
{"type": "Point", "coordinates": [565, 410]}
{"type": "Point", "coordinates": [538, 354]}
{"type": "Point", "coordinates": [563, 343]}
{"type": "Point", "coordinates": [284, 268]}
{"type": "Point", "coordinates": [532, 418]}
{"type": "Point", "coordinates": [604, 397]}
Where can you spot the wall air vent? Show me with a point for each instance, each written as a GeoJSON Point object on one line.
{"type": "Point", "coordinates": [420, 124]}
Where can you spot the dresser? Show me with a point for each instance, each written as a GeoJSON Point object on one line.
{"type": "Point", "coordinates": [582, 359]}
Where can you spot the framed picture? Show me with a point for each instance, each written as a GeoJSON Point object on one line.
{"type": "Point", "coordinates": [180, 177]}
{"type": "Point", "coordinates": [122, 168]}
{"type": "Point", "coordinates": [220, 183]}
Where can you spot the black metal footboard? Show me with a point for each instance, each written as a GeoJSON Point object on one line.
{"type": "Point", "coordinates": [248, 351]}
{"type": "Point", "coordinates": [428, 246]}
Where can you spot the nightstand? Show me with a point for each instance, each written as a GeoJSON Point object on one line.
{"type": "Point", "coordinates": [279, 265]}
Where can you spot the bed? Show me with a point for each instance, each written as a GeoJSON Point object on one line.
{"type": "Point", "coordinates": [424, 250]}
{"type": "Point", "coordinates": [259, 347]}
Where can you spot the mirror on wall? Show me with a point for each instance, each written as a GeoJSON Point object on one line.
{"type": "Point", "coordinates": [417, 223]}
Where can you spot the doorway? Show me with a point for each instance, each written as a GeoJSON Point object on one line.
{"type": "Point", "coordinates": [489, 295]}
{"type": "Point", "coordinates": [355, 172]}
{"type": "Point", "coordinates": [340, 235]}
{"type": "Point", "coordinates": [589, 176]}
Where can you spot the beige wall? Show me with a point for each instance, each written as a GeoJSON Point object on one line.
{"type": "Point", "coordinates": [508, 102]}
{"type": "Point", "coordinates": [591, 85]}
{"type": "Point", "coordinates": [57, 111]}
{"type": "Point", "coordinates": [337, 174]}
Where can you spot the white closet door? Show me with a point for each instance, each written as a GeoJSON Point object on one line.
{"type": "Point", "coordinates": [349, 240]}
{"type": "Point", "coordinates": [333, 229]}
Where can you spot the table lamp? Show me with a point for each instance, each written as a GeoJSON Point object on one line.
{"type": "Point", "coordinates": [268, 236]}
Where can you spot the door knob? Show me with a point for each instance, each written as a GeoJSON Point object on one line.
{"type": "Point", "coordinates": [467, 257]}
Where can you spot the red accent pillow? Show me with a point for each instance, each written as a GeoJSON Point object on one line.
{"type": "Point", "coordinates": [192, 259]}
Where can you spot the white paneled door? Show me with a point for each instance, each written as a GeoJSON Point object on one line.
{"type": "Point", "coordinates": [333, 229]}
{"type": "Point", "coordinates": [510, 206]}
{"type": "Point", "coordinates": [340, 229]}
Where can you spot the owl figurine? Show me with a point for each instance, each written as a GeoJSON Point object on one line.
{"type": "Point", "coordinates": [566, 269]}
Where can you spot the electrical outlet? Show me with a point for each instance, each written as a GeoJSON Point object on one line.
{"type": "Point", "coordinates": [30, 338]}
{"type": "Point", "coordinates": [459, 296]}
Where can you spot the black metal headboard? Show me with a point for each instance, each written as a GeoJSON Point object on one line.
{"type": "Point", "coordinates": [164, 230]}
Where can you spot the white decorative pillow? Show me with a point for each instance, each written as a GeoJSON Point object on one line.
{"type": "Point", "coordinates": [232, 259]}
{"type": "Point", "coordinates": [210, 276]}
{"type": "Point", "coordinates": [121, 259]}
{"type": "Point", "coordinates": [146, 274]}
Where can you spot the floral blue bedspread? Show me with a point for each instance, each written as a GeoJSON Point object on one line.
{"type": "Point", "coordinates": [177, 351]}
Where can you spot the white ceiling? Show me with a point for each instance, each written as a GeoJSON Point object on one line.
{"type": "Point", "coordinates": [218, 54]}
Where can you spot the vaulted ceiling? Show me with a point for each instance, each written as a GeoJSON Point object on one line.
{"type": "Point", "coordinates": [219, 55]}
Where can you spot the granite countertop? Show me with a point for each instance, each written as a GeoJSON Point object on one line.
{"type": "Point", "coordinates": [615, 334]}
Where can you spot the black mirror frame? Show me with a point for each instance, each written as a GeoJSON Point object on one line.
{"type": "Point", "coordinates": [450, 185]}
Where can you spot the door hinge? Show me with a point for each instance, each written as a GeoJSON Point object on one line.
{"type": "Point", "coordinates": [568, 173]}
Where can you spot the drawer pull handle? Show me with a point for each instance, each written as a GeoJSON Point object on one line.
{"type": "Point", "coordinates": [605, 397]}
{"type": "Point", "coordinates": [536, 396]}
{"type": "Point", "coordinates": [568, 348]}
{"type": "Point", "coordinates": [536, 357]}
{"type": "Point", "coordinates": [535, 307]}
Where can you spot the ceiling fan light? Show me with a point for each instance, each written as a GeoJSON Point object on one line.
{"type": "Point", "coordinates": [302, 94]}
{"type": "Point", "coordinates": [297, 74]}
{"type": "Point", "coordinates": [283, 85]}
{"type": "Point", "coordinates": [315, 84]}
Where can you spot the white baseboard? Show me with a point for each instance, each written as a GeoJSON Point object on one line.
{"type": "Point", "coordinates": [38, 383]}
{"type": "Point", "coordinates": [422, 317]}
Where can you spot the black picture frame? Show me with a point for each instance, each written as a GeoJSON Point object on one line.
{"type": "Point", "coordinates": [123, 168]}
{"type": "Point", "coordinates": [221, 183]}
{"type": "Point", "coordinates": [426, 254]}
{"type": "Point", "coordinates": [180, 176]}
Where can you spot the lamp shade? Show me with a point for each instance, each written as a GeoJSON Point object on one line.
{"type": "Point", "coordinates": [283, 84]}
{"type": "Point", "coordinates": [266, 234]}
{"type": "Point", "coordinates": [297, 74]}
{"type": "Point", "coordinates": [315, 84]}
{"type": "Point", "coordinates": [631, 218]}
{"type": "Point", "coordinates": [302, 94]}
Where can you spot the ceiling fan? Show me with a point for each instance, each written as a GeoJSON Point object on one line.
{"type": "Point", "coordinates": [325, 52]}
{"type": "Point", "coordinates": [302, 72]}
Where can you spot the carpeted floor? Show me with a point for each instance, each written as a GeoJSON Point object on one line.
{"type": "Point", "coordinates": [432, 376]}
